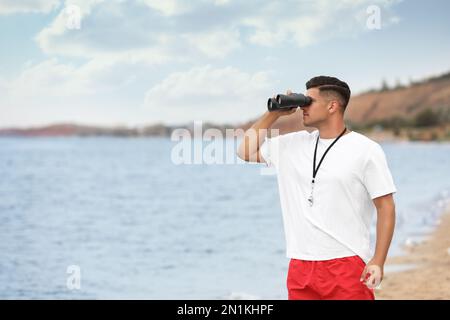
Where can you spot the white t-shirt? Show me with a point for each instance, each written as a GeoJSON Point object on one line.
{"type": "Point", "coordinates": [353, 172]}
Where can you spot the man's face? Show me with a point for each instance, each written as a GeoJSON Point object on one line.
{"type": "Point", "coordinates": [317, 111]}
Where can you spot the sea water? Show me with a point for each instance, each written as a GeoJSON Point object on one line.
{"type": "Point", "coordinates": [137, 226]}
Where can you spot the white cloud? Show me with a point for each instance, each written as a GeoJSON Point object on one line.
{"type": "Point", "coordinates": [58, 40]}
{"type": "Point", "coordinates": [27, 6]}
{"type": "Point", "coordinates": [307, 23]}
{"type": "Point", "coordinates": [108, 31]}
{"type": "Point", "coordinates": [167, 7]}
{"type": "Point", "coordinates": [96, 92]}
{"type": "Point", "coordinates": [39, 84]}
{"type": "Point", "coordinates": [221, 2]}
{"type": "Point", "coordinates": [51, 91]}
{"type": "Point", "coordinates": [207, 93]}
{"type": "Point", "coordinates": [174, 29]}
{"type": "Point", "coordinates": [51, 79]}
{"type": "Point", "coordinates": [215, 44]}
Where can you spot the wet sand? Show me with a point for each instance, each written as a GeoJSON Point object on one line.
{"type": "Point", "coordinates": [430, 279]}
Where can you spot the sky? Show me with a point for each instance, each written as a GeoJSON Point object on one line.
{"type": "Point", "coordinates": [141, 62]}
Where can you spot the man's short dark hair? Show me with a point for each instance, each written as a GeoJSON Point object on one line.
{"type": "Point", "coordinates": [331, 85]}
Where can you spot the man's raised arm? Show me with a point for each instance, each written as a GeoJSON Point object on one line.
{"type": "Point", "coordinates": [248, 150]}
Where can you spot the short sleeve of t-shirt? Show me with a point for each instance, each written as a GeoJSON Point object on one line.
{"type": "Point", "coordinates": [273, 148]}
{"type": "Point", "coordinates": [377, 177]}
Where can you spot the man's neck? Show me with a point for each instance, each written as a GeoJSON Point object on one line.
{"type": "Point", "coordinates": [332, 133]}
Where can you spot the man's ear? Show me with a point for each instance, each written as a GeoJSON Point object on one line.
{"type": "Point", "coordinates": [333, 106]}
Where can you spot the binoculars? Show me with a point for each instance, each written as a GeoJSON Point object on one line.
{"type": "Point", "coordinates": [285, 102]}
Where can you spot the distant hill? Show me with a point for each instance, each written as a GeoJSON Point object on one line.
{"type": "Point", "coordinates": [71, 129]}
{"type": "Point", "coordinates": [402, 102]}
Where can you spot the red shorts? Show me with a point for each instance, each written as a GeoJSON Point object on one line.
{"type": "Point", "coordinates": [335, 279]}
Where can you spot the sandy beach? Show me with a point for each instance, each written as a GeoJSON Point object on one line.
{"type": "Point", "coordinates": [431, 278]}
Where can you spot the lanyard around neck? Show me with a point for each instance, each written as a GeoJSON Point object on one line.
{"type": "Point", "coordinates": [315, 151]}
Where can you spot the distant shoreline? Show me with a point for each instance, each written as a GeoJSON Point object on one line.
{"type": "Point", "coordinates": [431, 134]}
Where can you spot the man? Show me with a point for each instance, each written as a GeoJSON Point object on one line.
{"type": "Point", "coordinates": [330, 182]}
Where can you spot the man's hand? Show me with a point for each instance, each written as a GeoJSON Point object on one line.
{"type": "Point", "coordinates": [248, 150]}
{"type": "Point", "coordinates": [372, 274]}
